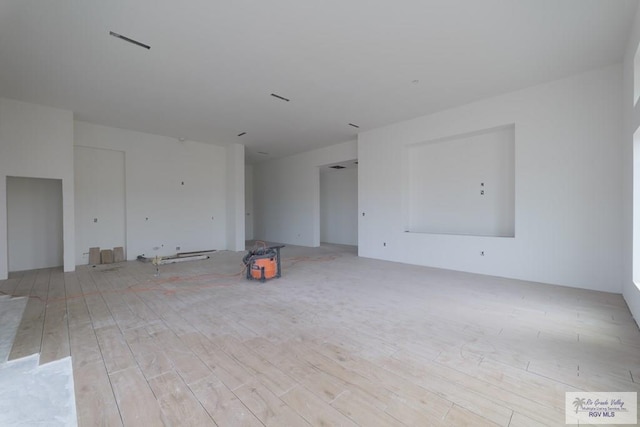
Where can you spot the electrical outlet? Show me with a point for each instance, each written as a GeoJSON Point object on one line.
{"type": "Point", "coordinates": [481, 253]}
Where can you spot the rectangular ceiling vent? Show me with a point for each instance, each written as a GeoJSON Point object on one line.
{"type": "Point", "coordinates": [337, 167]}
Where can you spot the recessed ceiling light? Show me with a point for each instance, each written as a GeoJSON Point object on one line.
{"type": "Point", "coordinates": [130, 40]}
{"type": "Point", "coordinates": [275, 95]}
{"type": "Point", "coordinates": [242, 133]}
{"type": "Point", "coordinates": [355, 126]}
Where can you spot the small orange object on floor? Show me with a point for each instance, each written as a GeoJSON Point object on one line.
{"type": "Point", "coordinates": [263, 263]}
{"type": "Point", "coordinates": [264, 268]}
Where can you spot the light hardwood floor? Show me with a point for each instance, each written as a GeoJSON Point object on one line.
{"type": "Point", "coordinates": [337, 341]}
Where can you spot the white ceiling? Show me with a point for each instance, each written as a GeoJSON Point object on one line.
{"type": "Point", "coordinates": [213, 64]}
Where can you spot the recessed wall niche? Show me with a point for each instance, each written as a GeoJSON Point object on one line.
{"type": "Point", "coordinates": [463, 184]}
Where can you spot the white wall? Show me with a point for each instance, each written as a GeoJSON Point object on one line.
{"type": "Point", "coordinates": [37, 142]}
{"type": "Point", "coordinates": [235, 197]}
{"type": "Point", "coordinates": [461, 185]}
{"type": "Point", "coordinates": [631, 115]}
{"type": "Point", "coordinates": [175, 191]}
{"type": "Point", "coordinates": [567, 176]}
{"type": "Point", "coordinates": [34, 223]}
{"type": "Point", "coordinates": [248, 202]}
{"type": "Point", "coordinates": [100, 200]}
{"type": "Point", "coordinates": [339, 206]}
{"type": "Point", "coordinates": [287, 195]}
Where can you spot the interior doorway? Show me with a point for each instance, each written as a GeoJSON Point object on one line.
{"type": "Point", "coordinates": [339, 203]}
{"type": "Point", "coordinates": [34, 223]}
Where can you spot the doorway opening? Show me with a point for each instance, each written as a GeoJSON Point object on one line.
{"type": "Point", "coordinates": [339, 203]}
{"type": "Point", "coordinates": [34, 223]}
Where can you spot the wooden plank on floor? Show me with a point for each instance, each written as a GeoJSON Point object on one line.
{"type": "Point", "coordinates": [273, 378]}
{"type": "Point", "coordinates": [282, 356]}
{"type": "Point", "coordinates": [270, 409]}
{"type": "Point", "coordinates": [55, 334]}
{"type": "Point", "coordinates": [222, 405]}
{"type": "Point", "coordinates": [223, 366]}
{"type": "Point", "coordinates": [27, 281]}
{"type": "Point", "coordinates": [29, 335]}
{"type": "Point", "coordinates": [362, 411]}
{"type": "Point", "coordinates": [8, 287]}
{"type": "Point", "coordinates": [136, 402]}
{"type": "Point", "coordinates": [481, 397]}
{"type": "Point", "coordinates": [188, 365]}
{"type": "Point", "coordinates": [76, 306]}
{"type": "Point", "coordinates": [83, 343]}
{"type": "Point", "coordinates": [178, 404]}
{"type": "Point", "coordinates": [28, 338]}
{"type": "Point", "coordinates": [95, 402]}
{"type": "Point", "coordinates": [115, 351]}
{"type": "Point", "coordinates": [314, 410]}
{"type": "Point", "coordinates": [334, 377]}
{"type": "Point", "coordinates": [458, 416]}
{"type": "Point", "coordinates": [154, 364]}
{"type": "Point", "coordinates": [98, 309]}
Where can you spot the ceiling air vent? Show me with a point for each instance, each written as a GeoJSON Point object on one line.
{"type": "Point", "coordinates": [337, 167]}
{"type": "Point", "coordinates": [275, 95]}
{"type": "Point", "coordinates": [127, 39]}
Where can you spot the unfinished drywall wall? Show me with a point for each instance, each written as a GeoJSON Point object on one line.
{"type": "Point", "coordinates": [34, 223]}
{"type": "Point", "coordinates": [37, 142]}
{"type": "Point", "coordinates": [100, 200]}
{"type": "Point", "coordinates": [287, 195]}
{"type": "Point", "coordinates": [462, 184]}
{"type": "Point", "coordinates": [248, 202]}
{"type": "Point", "coordinates": [339, 206]}
{"type": "Point", "coordinates": [175, 191]}
{"type": "Point", "coordinates": [631, 174]}
{"type": "Point", "coordinates": [235, 197]}
{"type": "Point", "coordinates": [567, 186]}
